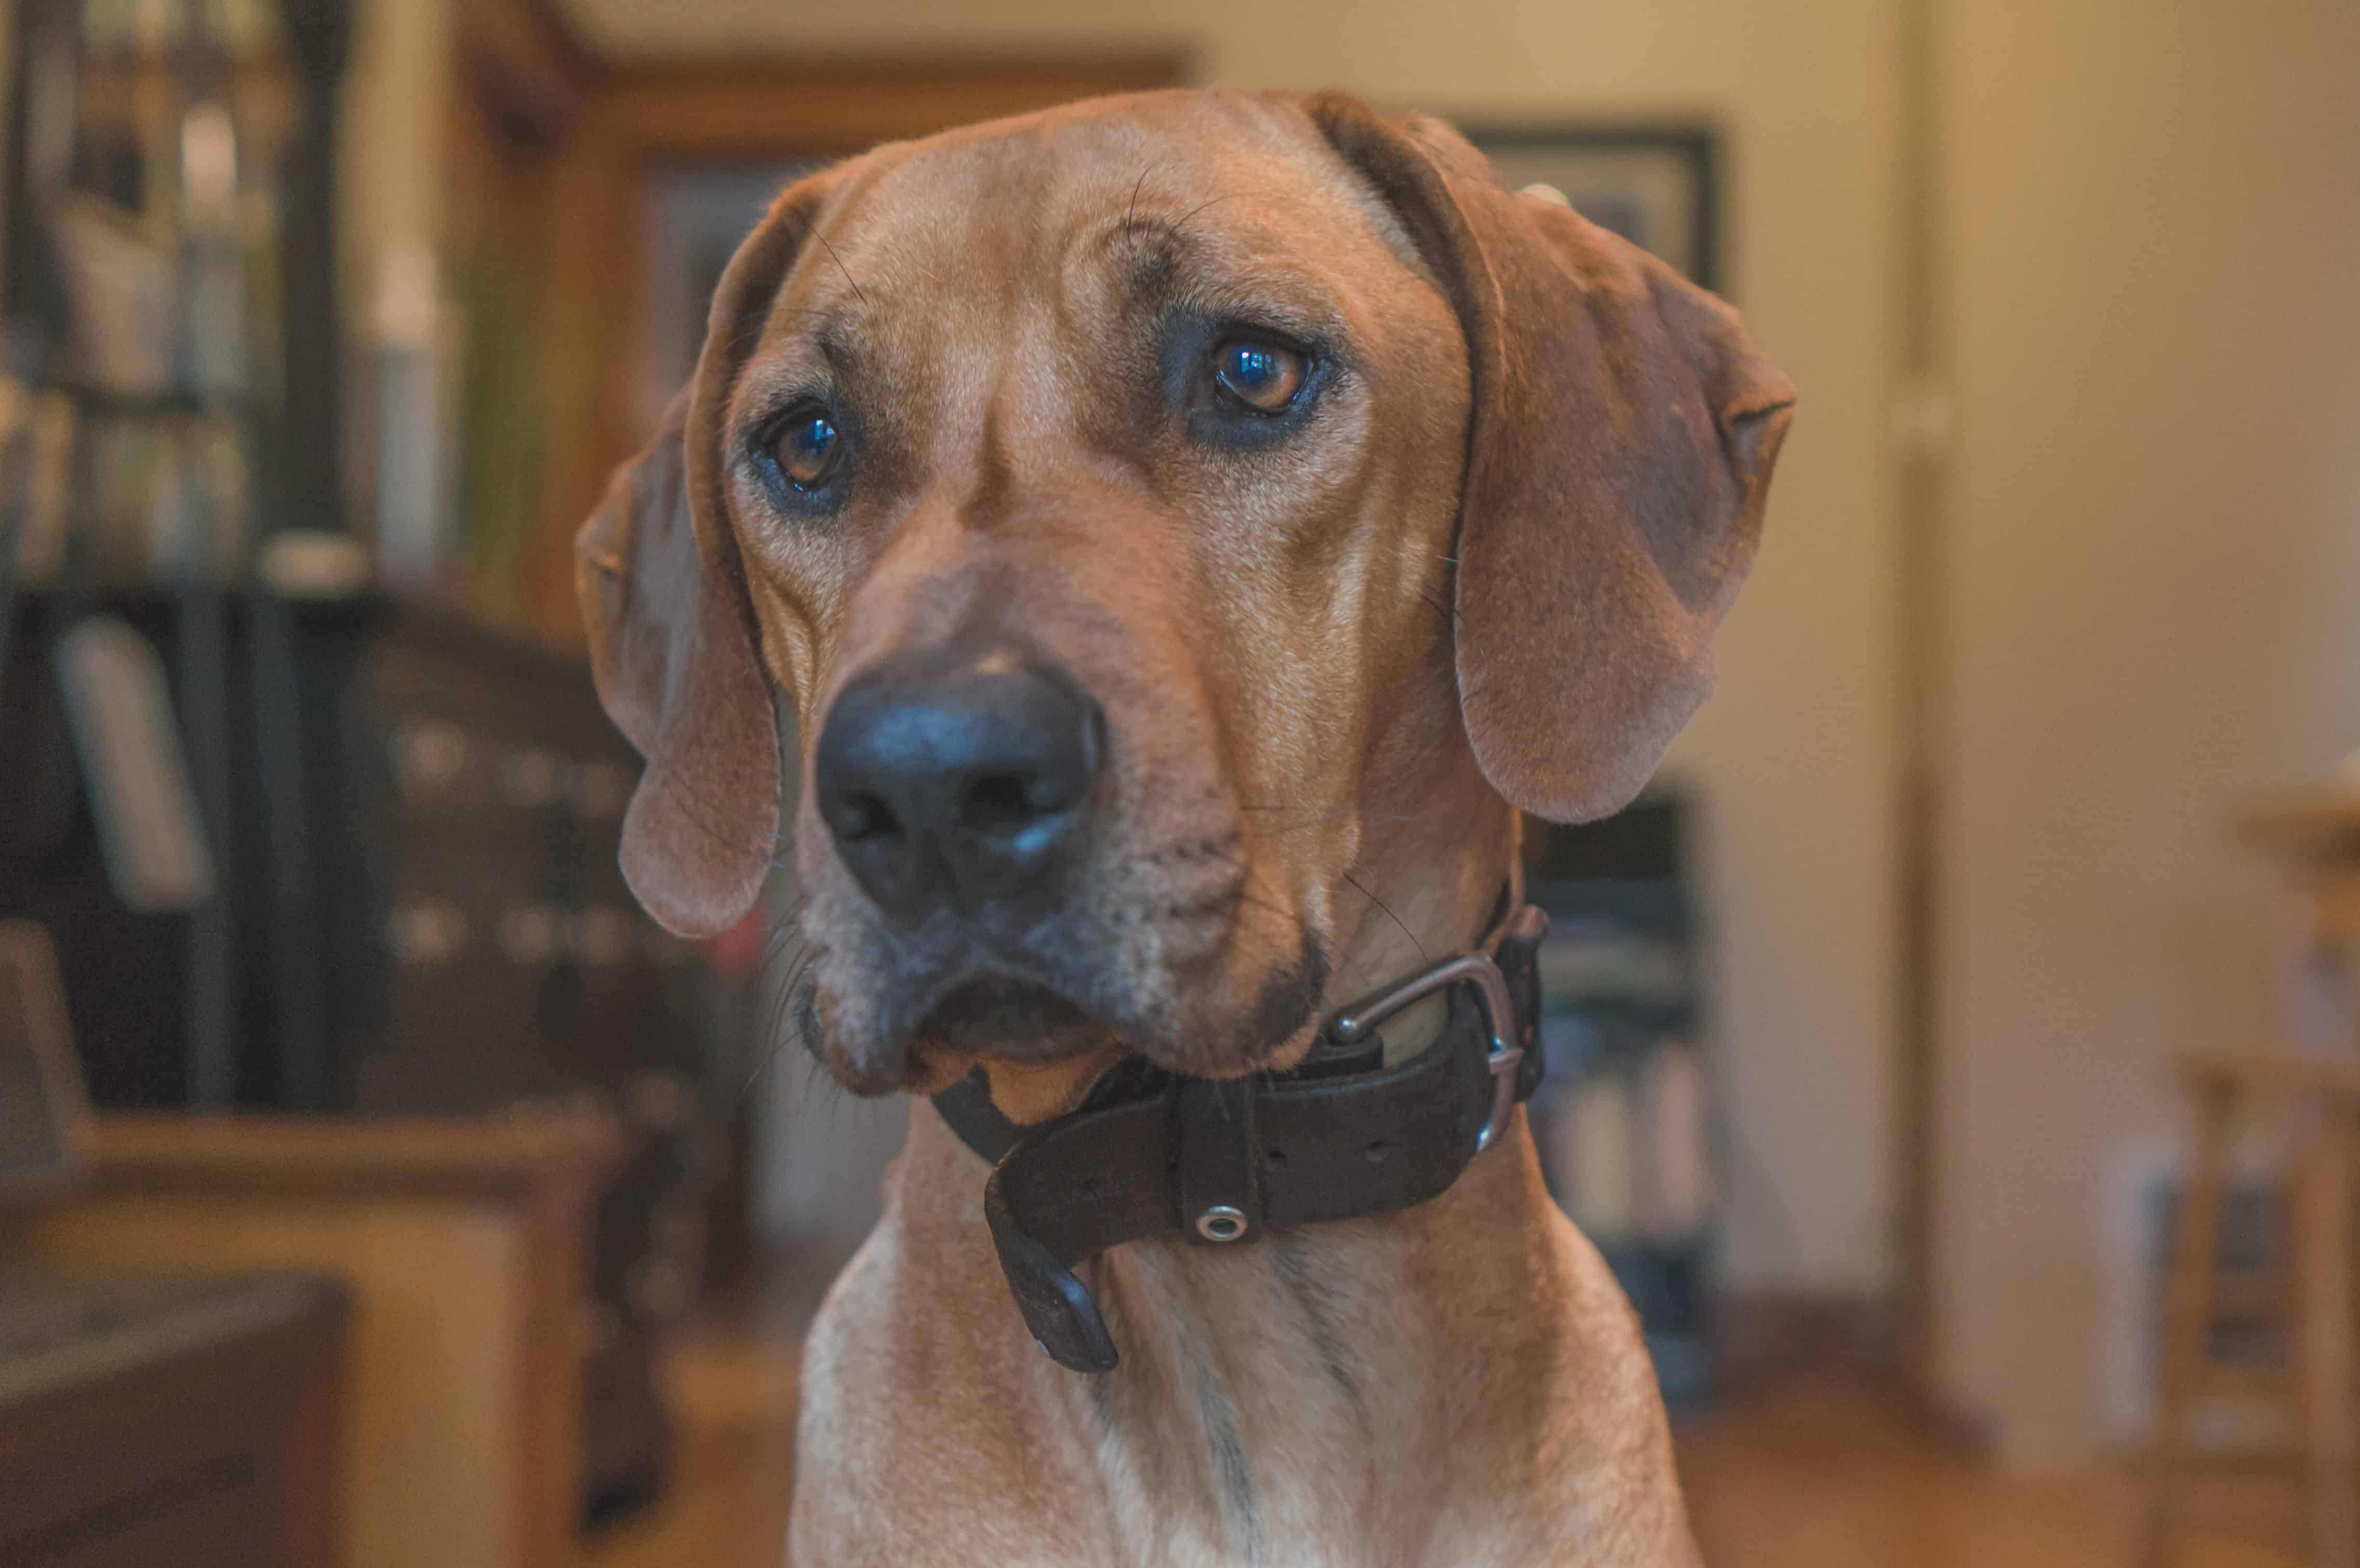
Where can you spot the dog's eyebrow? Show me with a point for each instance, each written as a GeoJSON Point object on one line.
{"type": "Point", "coordinates": [827, 329]}
{"type": "Point", "coordinates": [1155, 247]}
{"type": "Point", "coordinates": [797, 335]}
{"type": "Point", "coordinates": [1170, 263]}
{"type": "Point", "coordinates": [830, 342]}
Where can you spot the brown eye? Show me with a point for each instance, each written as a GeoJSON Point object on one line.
{"type": "Point", "coordinates": [1263, 377]}
{"type": "Point", "coordinates": [806, 450]}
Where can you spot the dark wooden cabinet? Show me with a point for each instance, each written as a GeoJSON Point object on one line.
{"type": "Point", "coordinates": [471, 942]}
{"type": "Point", "coordinates": [170, 1426]}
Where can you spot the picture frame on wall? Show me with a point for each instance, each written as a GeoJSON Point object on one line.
{"type": "Point", "coordinates": [696, 213]}
{"type": "Point", "coordinates": [1656, 185]}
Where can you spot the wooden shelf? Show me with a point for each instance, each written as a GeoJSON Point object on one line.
{"type": "Point", "coordinates": [464, 1244]}
{"type": "Point", "coordinates": [2317, 824]}
{"type": "Point", "coordinates": [314, 1156]}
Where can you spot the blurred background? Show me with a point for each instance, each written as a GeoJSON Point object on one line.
{"type": "Point", "coordinates": [1952, 1052]}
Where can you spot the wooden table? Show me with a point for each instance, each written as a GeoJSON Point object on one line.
{"type": "Point", "coordinates": [463, 1245]}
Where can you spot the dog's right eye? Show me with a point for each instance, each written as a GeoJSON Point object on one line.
{"type": "Point", "coordinates": [1259, 375]}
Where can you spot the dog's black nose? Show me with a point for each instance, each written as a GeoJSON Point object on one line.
{"type": "Point", "coordinates": [962, 771]}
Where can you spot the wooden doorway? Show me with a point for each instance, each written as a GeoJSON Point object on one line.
{"type": "Point", "coordinates": [560, 162]}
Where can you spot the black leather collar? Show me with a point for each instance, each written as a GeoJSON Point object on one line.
{"type": "Point", "coordinates": [1222, 1160]}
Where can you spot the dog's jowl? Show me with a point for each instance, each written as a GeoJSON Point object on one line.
{"type": "Point", "coordinates": [1187, 528]}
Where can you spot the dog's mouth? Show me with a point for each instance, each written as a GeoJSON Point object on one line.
{"type": "Point", "coordinates": [1006, 1017]}
{"type": "Point", "coordinates": [888, 1010]}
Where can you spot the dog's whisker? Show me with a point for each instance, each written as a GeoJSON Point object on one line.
{"type": "Point", "coordinates": [779, 939]}
{"type": "Point", "coordinates": [1388, 909]}
{"type": "Point", "coordinates": [794, 909]}
{"type": "Point", "coordinates": [782, 1001]}
{"type": "Point", "coordinates": [788, 964]}
{"type": "Point", "coordinates": [1193, 211]}
{"type": "Point", "coordinates": [777, 963]}
{"type": "Point", "coordinates": [857, 292]}
{"type": "Point", "coordinates": [789, 917]}
{"type": "Point", "coordinates": [1131, 215]}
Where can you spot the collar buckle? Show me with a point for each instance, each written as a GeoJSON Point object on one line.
{"type": "Point", "coordinates": [1493, 996]}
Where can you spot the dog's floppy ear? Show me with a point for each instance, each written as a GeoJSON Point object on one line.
{"type": "Point", "coordinates": [673, 640]}
{"type": "Point", "coordinates": [1620, 450]}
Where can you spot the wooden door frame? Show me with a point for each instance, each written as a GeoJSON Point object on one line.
{"type": "Point", "coordinates": [600, 127]}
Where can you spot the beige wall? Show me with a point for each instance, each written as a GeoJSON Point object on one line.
{"type": "Point", "coordinates": [1795, 757]}
{"type": "Point", "coordinates": [2155, 247]}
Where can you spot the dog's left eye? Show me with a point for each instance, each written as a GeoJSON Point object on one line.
{"type": "Point", "coordinates": [807, 448]}
{"type": "Point", "coordinates": [1260, 375]}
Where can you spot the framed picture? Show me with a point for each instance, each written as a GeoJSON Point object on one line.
{"type": "Point", "coordinates": [696, 214]}
{"type": "Point", "coordinates": [1657, 186]}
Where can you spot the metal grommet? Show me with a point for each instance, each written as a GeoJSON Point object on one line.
{"type": "Point", "coordinates": [1221, 1222]}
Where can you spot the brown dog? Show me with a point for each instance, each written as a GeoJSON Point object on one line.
{"type": "Point", "coordinates": [1273, 502]}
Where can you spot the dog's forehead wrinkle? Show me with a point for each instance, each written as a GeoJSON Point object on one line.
{"type": "Point", "coordinates": [1030, 200]}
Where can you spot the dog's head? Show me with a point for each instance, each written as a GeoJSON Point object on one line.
{"type": "Point", "coordinates": [1140, 503]}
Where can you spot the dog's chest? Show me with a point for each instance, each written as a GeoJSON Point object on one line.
{"type": "Point", "coordinates": [1298, 1403]}
{"type": "Point", "coordinates": [1272, 1408]}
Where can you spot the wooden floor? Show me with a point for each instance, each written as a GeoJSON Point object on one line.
{"type": "Point", "coordinates": [1813, 1474]}
{"type": "Point", "coordinates": [1835, 1477]}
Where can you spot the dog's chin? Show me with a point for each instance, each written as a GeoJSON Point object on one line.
{"type": "Point", "coordinates": [1008, 1019]}
{"type": "Point", "coordinates": [992, 1019]}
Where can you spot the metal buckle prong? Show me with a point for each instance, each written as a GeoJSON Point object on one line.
{"type": "Point", "coordinates": [1356, 1023]}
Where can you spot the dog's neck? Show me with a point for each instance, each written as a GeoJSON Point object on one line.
{"type": "Point", "coordinates": [1436, 846]}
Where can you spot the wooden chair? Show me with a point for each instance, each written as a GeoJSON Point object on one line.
{"type": "Point", "coordinates": [2309, 1293]}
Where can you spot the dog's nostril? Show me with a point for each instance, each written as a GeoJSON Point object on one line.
{"type": "Point", "coordinates": [996, 799]}
{"type": "Point", "coordinates": [1012, 800]}
{"type": "Point", "coordinates": [861, 816]}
